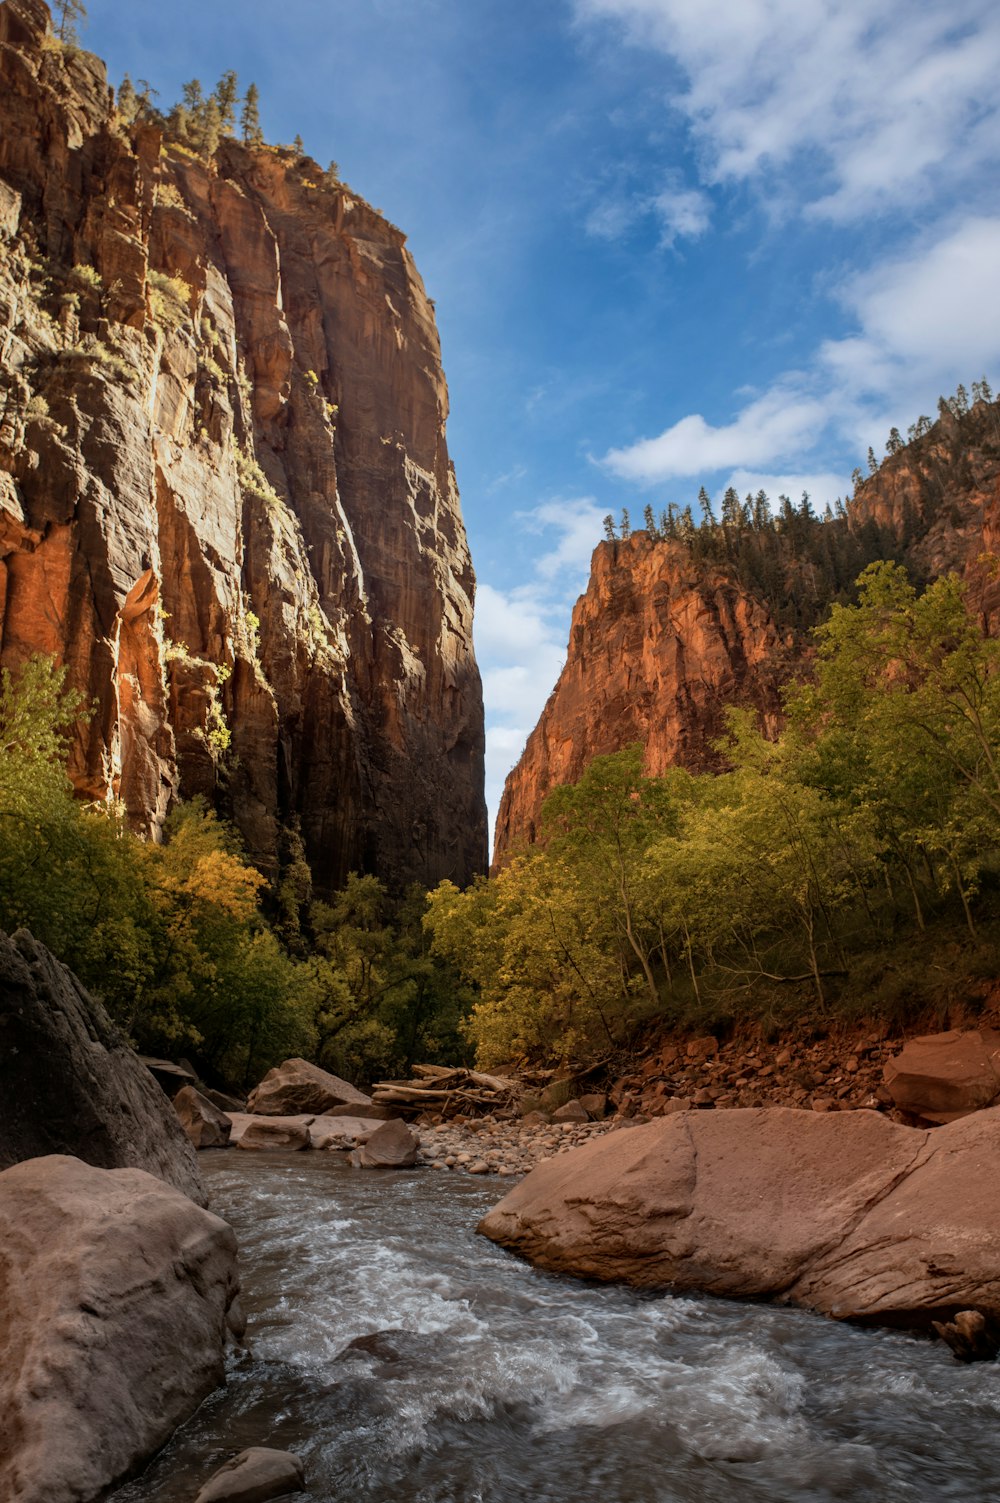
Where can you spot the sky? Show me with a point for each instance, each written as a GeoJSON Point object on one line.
{"type": "Point", "coordinates": [670, 243]}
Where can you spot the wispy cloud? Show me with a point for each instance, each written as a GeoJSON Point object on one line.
{"type": "Point", "coordinates": [677, 212]}
{"type": "Point", "coordinates": [885, 101]}
{"type": "Point", "coordinates": [924, 321]}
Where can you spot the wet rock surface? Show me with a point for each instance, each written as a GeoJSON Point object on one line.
{"type": "Point", "coordinates": [255, 1476]}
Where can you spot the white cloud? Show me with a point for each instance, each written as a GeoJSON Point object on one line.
{"type": "Point", "coordinates": [521, 632]}
{"type": "Point", "coordinates": [881, 98]}
{"type": "Point", "coordinates": [777, 425]}
{"type": "Point", "coordinates": [926, 321]}
{"type": "Point", "coordinates": [682, 212]}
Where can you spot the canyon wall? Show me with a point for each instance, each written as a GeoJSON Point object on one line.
{"type": "Point", "coordinates": [226, 501]}
{"type": "Point", "coordinates": [661, 644]}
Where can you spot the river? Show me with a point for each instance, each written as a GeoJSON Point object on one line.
{"type": "Point", "coordinates": [505, 1384]}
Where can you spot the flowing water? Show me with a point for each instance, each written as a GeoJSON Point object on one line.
{"type": "Point", "coordinates": [501, 1384]}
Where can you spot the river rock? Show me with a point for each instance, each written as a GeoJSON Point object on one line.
{"type": "Point", "coordinates": [943, 1076]}
{"type": "Point", "coordinates": [573, 1111]}
{"type": "Point", "coordinates": [69, 1083]}
{"type": "Point", "coordinates": [392, 1145]}
{"type": "Point", "coordinates": [262, 1133]}
{"type": "Point", "coordinates": [846, 1213]}
{"type": "Point", "coordinates": [340, 1132]}
{"type": "Point", "coordinates": [297, 1086]}
{"type": "Point", "coordinates": [117, 1293]}
{"type": "Point", "coordinates": [205, 1125]}
{"type": "Point", "coordinates": [255, 1476]}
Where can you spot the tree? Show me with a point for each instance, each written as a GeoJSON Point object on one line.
{"type": "Point", "coordinates": [69, 14]}
{"type": "Point", "coordinates": [625, 525]}
{"type": "Point", "coordinates": [894, 443]}
{"type": "Point", "coordinates": [250, 118]}
{"type": "Point", "coordinates": [299, 146]}
{"type": "Point", "coordinates": [128, 101]}
{"type": "Point", "coordinates": [226, 95]}
{"type": "Point", "coordinates": [610, 535]}
{"type": "Point", "coordinates": [872, 461]}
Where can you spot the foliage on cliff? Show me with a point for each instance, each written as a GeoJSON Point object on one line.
{"type": "Point", "coordinates": [175, 937]}
{"type": "Point", "coordinates": [789, 886]}
{"type": "Point", "coordinates": [800, 561]}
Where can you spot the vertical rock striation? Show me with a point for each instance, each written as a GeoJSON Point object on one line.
{"type": "Point", "coordinates": [658, 647]}
{"type": "Point", "coordinates": [226, 501]}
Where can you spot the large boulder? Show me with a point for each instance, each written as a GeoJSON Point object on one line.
{"type": "Point", "coordinates": [943, 1076]}
{"type": "Point", "coordinates": [69, 1083]}
{"type": "Point", "coordinates": [341, 1132]}
{"type": "Point", "coordinates": [846, 1213]}
{"type": "Point", "coordinates": [117, 1296]}
{"type": "Point", "coordinates": [297, 1086]}
{"type": "Point", "coordinates": [393, 1145]}
{"type": "Point", "coordinates": [205, 1125]}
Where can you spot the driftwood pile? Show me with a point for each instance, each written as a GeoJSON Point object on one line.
{"type": "Point", "coordinates": [444, 1092]}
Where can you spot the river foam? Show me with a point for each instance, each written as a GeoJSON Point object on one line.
{"type": "Point", "coordinates": [495, 1383]}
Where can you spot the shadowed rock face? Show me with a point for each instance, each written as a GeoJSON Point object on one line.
{"type": "Point", "coordinates": [226, 501]}
{"type": "Point", "coordinates": [70, 1084]}
{"type": "Point", "coordinates": [848, 1214]}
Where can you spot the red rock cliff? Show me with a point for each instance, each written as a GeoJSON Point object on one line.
{"type": "Point", "coordinates": [660, 645]}
{"type": "Point", "coordinates": [226, 500]}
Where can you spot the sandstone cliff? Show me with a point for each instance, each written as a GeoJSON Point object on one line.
{"type": "Point", "coordinates": [226, 501]}
{"type": "Point", "coordinates": [658, 647]}
{"type": "Point", "coordinates": [661, 643]}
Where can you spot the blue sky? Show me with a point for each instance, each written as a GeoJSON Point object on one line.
{"type": "Point", "coordinates": [670, 243]}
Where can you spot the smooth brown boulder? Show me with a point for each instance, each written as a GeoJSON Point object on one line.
{"type": "Point", "coordinates": [70, 1083]}
{"type": "Point", "coordinates": [298, 1086]}
{"type": "Point", "coordinates": [255, 1476]}
{"type": "Point", "coordinates": [943, 1076]}
{"type": "Point", "coordinates": [274, 1133]}
{"type": "Point", "coordinates": [341, 1132]}
{"type": "Point", "coordinates": [205, 1125]}
{"type": "Point", "coordinates": [391, 1146]}
{"type": "Point", "coordinates": [117, 1294]}
{"type": "Point", "coordinates": [595, 1104]}
{"type": "Point", "coordinates": [849, 1214]}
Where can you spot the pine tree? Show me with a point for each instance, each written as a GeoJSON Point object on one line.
{"type": "Point", "coordinates": [194, 99]}
{"type": "Point", "coordinates": [609, 529]}
{"type": "Point", "coordinates": [961, 401]}
{"type": "Point", "coordinates": [625, 524]}
{"type": "Point", "coordinates": [210, 128]}
{"type": "Point", "coordinates": [894, 442]}
{"type": "Point", "coordinates": [128, 101]}
{"type": "Point", "coordinates": [226, 95]}
{"type": "Point", "coordinates": [649, 521]}
{"type": "Point", "coordinates": [299, 146]}
{"type": "Point", "coordinates": [70, 13]}
{"type": "Point", "coordinates": [250, 118]}
{"type": "Point", "coordinates": [857, 478]}
{"type": "Point", "coordinates": [331, 177]}
{"type": "Point", "coordinates": [872, 461]}
{"type": "Point", "coordinates": [705, 502]}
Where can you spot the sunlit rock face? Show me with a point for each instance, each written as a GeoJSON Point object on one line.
{"type": "Point", "coordinates": [660, 646]}
{"type": "Point", "coordinates": [226, 501]}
